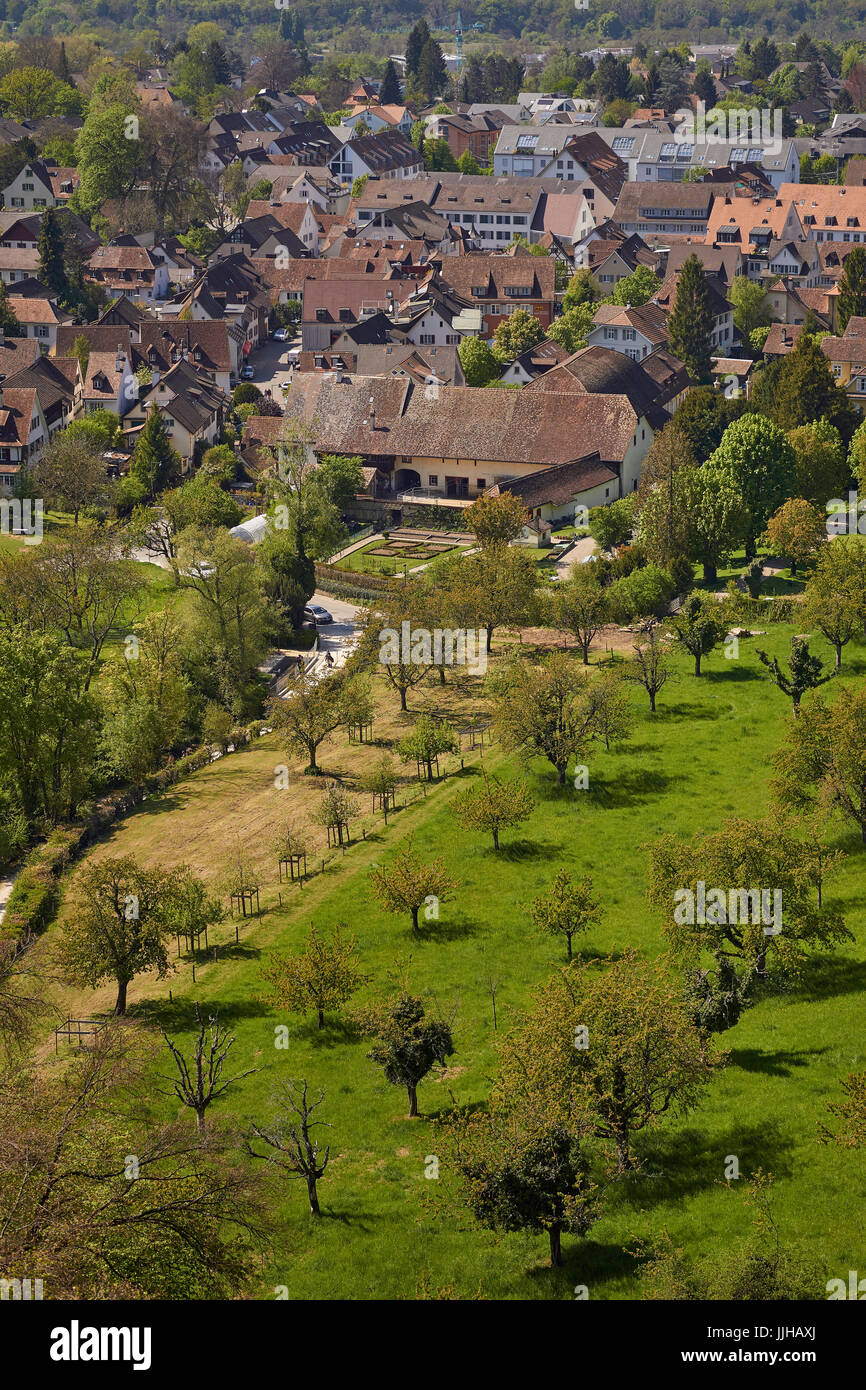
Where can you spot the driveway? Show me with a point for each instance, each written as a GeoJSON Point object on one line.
{"type": "Point", "coordinates": [270, 365]}
{"type": "Point", "coordinates": [577, 555]}
{"type": "Point", "coordinates": [339, 637]}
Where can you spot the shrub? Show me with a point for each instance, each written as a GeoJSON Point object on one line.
{"type": "Point", "coordinates": [644, 593]}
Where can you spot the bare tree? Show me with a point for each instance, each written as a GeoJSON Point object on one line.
{"type": "Point", "coordinates": [291, 1142]}
{"type": "Point", "coordinates": [201, 1083]}
{"type": "Point", "coordinates": [650, 666]}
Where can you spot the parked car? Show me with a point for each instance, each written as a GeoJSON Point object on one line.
{"type": "Point", "coordinates": [280, 335]}
{"type": "Point", "coordinates": [319, 615]}
{"type": "Point", "coordinates": [248, 373]}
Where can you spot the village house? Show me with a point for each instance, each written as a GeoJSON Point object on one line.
{"type": "Point", "coordinates": [655, 387]}
{"type": "Point", "coordinates": [385, 156]}
{"type": "Point", "coordinates": [297, 217]}
{"type": "Point", "coordinates": [455, 442]}
{"type": "Point", "coordinates": [23, 431]}
{"type": "Point", "coordinates": [124, 267]}
{"type": "Point", "coordinates": [635, 330]}
{"type": "Point", "coordinates": [500, 284]}
{"type": "Point", "coordinates": [378, 118]}
{"type": "Point", "coordinates": [847, 358]}
{"type": "Point", "coordinates": [109, 382]}
{"type": "Point", "coordinates": [41, 184]}
{"type": "Point", "coordinates": [18, 264]}
{"type": "Point", "coordinates": [330, 305]}
{"type": "Point", "coordinates": [38, 315]}
{"type": "Point", "coordinates": [553, 495]}
{"type": "Point", "coordinates": [721, 309]}
{"type": "Point", "coordinates": [193, 407]}
{"type": "Point", "coordinates": [475, 135]}
{"type": "Point", "coordinates": [681, 209]}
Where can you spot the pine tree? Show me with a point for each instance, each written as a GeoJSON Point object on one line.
{"type": "Point", "coordinates": [691, 323]}
{"type": "Point", "coordinates": [415, 46]}
{"type": "Point", "coordinates": [432, 72]}
{"type": "Point", "coordinates": [154, 460]}
{"type": "Point", "coordinates": [52, 270]}
{"type": "Point", "coordinates": [390, 93]}
{"type": "Point", "coordinates": [852, 288]}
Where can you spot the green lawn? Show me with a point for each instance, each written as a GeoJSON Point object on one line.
{"type": "Point", "coordinates": [366, 561]}
{"type": "Point", "coordinates": [52, 522]}
{"type": "Point", "coordinates": [386, 1230]}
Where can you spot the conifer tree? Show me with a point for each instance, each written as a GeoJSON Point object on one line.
{"type": "Point", "coordinates": [52, 271]}
{"type": "Point", "coordinates": [691, 323]}
{"type": "Point", "coordinates": [389, 92]}
{"type": "Point", "coordinates": [154, 459]}
{"type": "Point", "coordinates": [415, 45]}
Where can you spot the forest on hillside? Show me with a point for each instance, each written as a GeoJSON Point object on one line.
{"type": "Point", "coordinates": [349, 24]}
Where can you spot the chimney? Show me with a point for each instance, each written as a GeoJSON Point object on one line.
{"type": "Point", "coordinates": [119, 359]}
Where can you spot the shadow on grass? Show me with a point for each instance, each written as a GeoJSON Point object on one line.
{"type": "Point", "coordinates": [780, 1063]}
{"type": "Point", "coordinates": [830, 976]}
{"type": "Point", "coordinates": [626, 788]}
{"type": "Point", "coordinates": [688, 710]}
{"type": "Point", "coordinates": [732, 671]}
{"type": "Point", "coordinates": [456, 928]}
{"type": "Point", "coordinates": [178, 1014]}
{"type": "Point", "coordinates": [586, 1262]}
{"type": "Point", "coordinates": [674, 1166]}
{"type": "Point", "coordinates": [518, 850]}
{"type": "Point", "coordinates": [336, 1032]}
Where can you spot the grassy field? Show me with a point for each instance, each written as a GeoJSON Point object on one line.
{"type": "Point", "coordinates": [387, 1232]}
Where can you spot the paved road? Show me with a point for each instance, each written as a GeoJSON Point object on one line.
{"type": "Point", "coordinates": [577, 555]}
{"type": "Point", "coordinates": [340, 636]}
{"type": "Point", "coordinates": [270, 364]}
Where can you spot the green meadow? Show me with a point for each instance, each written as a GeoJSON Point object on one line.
{"type": "Point", "coordinates": [388, 1231]}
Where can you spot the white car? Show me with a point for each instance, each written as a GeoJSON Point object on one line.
{"type": "Point", "coordinates": [281, 336]}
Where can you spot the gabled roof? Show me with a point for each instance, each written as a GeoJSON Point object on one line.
{"type": "Point", "coordinates": [654, 381]}
{"type": "Point", "coordinates": [343, 300]}
{"type": "Point", "coordinates": [496, 275]}
{"type": "Point", "coordinates": [16, 412]}
{"type": "Point", "coordinates": [206, 343]}
{"type": "Point", "coordinates": [666, 297]}
{"type": "Point", "coordinates": [559, 484]}
{"type": "Point", "coordinates": [103, 379]}
{"type": "Point", "coordinates": [102, 337]}
{"type": "Point", "coordinates": [385, 152]}
{"type": "Point", "coordinates": [501, 427]}
{"type": "Point", "coordinates": [35, 310]}
{"type": "Point", "coordinates": [648, 319]}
